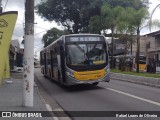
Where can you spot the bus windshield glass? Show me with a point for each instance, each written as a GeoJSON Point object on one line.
{"type": "Point", "coordinates": [84, 54]}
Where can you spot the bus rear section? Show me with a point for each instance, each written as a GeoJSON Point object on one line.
{"type": "Point", "coordinates": [142, 64]}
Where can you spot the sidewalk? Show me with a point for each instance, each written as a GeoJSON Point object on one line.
{"type": "Point", "coordinates": [11, 98]}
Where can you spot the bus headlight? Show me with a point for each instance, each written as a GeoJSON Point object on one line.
{"type": "Point", "coordinates": [70, 74]}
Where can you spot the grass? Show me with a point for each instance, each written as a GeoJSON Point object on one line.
{"type": "Point", "coordinates": [154, 75]}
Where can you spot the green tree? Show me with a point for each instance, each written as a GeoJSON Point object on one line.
{"type": "Point", "coordinates": [124, 17]}
{"type": "Point", "coordinates": [72, 14]}
{"type": "Point", "coordinates": [96, 24]}
{"type": "Point", "coordinates": [127, 3]}
{"type": "Point", "coordinates": [137, 20]}
{"type": "Point", "coordinates": [134, 21]}
{"type": "Point", "coordinates": [111, 16]}
{"type": "Point", "coordinates": [126, 30]}
{"type": "Point", "coordinates": [52, 35]}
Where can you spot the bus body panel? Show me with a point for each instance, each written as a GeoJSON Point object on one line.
{"type": "Point", "coordinates": [73, 81]}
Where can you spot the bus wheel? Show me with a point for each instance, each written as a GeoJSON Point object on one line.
{"type": "Point", "coordinates": [95, 83]}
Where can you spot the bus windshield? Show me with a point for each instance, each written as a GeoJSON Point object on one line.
{"type": "Point", "coordinates": [86, 54]}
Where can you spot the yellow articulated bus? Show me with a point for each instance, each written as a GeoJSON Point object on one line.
{"type": "Point", "coordinates": [76, 59]}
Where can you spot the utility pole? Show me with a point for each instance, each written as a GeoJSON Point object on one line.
{"type": "Point", "coordinates": [28, 65]}
{"type": "Point", "coordinates": [1, 6]}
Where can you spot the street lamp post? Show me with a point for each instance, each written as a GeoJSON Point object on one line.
{"type": "Point", "coordinates": [150, 20]}
{"type": "Point", "coordinates": [150, 25]}
{"type": "Point", "coordinates": [1, 6]}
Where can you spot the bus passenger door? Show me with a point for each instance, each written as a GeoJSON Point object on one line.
{"type": "Point", "coordinates": [62, 56]}
{"type": "Point", "coordinates": [45, 64]}
{"type": "Point", "coordinates": [51, 63]}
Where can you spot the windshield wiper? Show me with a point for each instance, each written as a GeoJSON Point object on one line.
{"type": "Point", "coordinates": [79, 47]}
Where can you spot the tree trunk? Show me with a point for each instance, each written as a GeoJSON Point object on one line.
{"type": "Point", "coordinates": [138, 49]}
{"type": "Point", "coordinates": [112, 48]}
{"type": "Point", "coordinates": [75, 28]}
{"type": "Point", "coordinates": [131, 45]}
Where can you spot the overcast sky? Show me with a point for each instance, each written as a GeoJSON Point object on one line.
{"type": "Point", "coordinates": [42, 26]}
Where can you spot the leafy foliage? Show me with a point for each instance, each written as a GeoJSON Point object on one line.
{"type": "Point", "coordinates": [73, 14]}
{"type": "Point", "coordinates": [52, 35]}
{"type": "Point", "coordinates": [137, 4]}
{"type": "Point", "coordinates": [79, 16]}
{"type": "Point", "coordinates": [136, 19]}
{"type": "Point", "coordinates": [96, 24]}
{"type": "Point", "coordinates": [131, 22]}
{"type": "Point", "coordinates": [111, 16]}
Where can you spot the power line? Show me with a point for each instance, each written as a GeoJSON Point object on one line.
{"type": "Point", "coordinates": [41, 28]}
{"type": "Point", "coordinates": [40, 32]}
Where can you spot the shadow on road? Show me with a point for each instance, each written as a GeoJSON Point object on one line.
{"type": "Point", "coordinates": [82, 87]}
{"type": "Point", "coordinates": [75, 88]}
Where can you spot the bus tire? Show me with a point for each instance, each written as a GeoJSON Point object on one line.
{"type": "Point", "coordinates": [95, 83]}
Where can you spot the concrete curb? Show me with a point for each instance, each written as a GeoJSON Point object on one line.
{"type": "Point", "coordinates": [149, 81]}
{"type": "Point", "coordinates": [49, 102]}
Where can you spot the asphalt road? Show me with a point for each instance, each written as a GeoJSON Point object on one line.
{"type": "Point", "coordinates": [112, 96]}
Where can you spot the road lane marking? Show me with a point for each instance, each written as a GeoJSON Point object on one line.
{"type": "Point", "coordinates": [134, 96]}
{"type": "Point", "coordinates": [50, 109]}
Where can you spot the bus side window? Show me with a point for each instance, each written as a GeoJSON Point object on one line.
{"type": "Point", "coordinates": [54, 55]}
{"type": "Point", "coordinates": [41, 58]}
{"type": "Point", "coordinates": [48, 58]}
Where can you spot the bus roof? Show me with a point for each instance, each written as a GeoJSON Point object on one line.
{"type": "Point", "coordinates": [70, 35]}
{"type": "Point", "coordinates": [82, 34]}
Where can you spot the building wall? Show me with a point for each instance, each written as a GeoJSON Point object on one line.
{"type": "Point", "coordinates": [142, 47]}
{"type": "Point", "coordinates": [149, 46]}
{"type": "Point", "coordinates": [151, 43]}
{"type": "Point", "coordinates": [153, 46]}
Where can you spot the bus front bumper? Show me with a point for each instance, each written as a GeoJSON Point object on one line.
{"type": "Point", "coordinates": [72, 81]}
